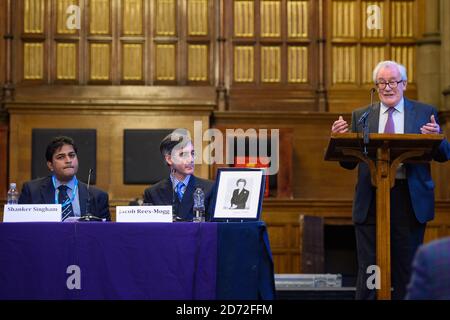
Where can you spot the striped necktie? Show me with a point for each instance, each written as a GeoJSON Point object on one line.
{"type": "Point", "coordinates": [66, 204]}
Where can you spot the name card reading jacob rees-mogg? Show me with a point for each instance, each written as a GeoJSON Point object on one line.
{"type": "Point", "coordinates": [144, 214]}
{"type": "Point", "coordinates": [32, 213]}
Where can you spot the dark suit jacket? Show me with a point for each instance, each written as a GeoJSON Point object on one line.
{"type": "Point", "coordinates": [421, 185]}
{"type": "Point", "coordinates": [430, 277]}
{"type": "Point", "coordinates": [239, 199]}
{"type": "Point", "coordinates": [42, 191]}
{"type": "Point", "coordinates": [162, 194]}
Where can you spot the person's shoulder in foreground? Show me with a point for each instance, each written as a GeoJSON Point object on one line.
{"type": "Point", "coordinates": [430, 279]}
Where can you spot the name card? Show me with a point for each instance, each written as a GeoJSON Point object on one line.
{"type": "Point", "coordinates": [32, 213]}
{"type": "Point", "coordinates": [144, 214]}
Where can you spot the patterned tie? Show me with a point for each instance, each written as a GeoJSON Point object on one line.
{"type": "Point", "coordinates": [179, 191]}
{"type": "Point", "coordinates": [67, 210]}
{"type": "Point", "coordinates": [390, 128]}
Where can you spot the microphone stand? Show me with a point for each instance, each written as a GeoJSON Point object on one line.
{"type": "Point", "coordinates": [365, 123]}
{"type": "Point", "coordinates": [88, 216]}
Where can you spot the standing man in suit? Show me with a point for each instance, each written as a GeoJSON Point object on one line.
{"type": "Point", "coordinates": [178, 189]}
{"type": "Point", "coordinates": [412, 197]}
{"type": "Point", "coordinates": [430, 279]}
{"type": "Point", "coordinates": [63, 186]}
{"type": "Point", "coordinates": [240, 195]}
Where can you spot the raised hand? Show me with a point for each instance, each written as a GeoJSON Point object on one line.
{"type": "Point", "coordinates": [339, 126]}
{"type": "Point", "coordinates": [431, 127]}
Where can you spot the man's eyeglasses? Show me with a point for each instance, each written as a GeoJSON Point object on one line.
{"type": "Point", "coordinates": [392, 84]}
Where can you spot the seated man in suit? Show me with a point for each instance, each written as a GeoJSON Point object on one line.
{"type": "Point", "coordinates": [63, 186]}
{"type": "Point", "coordinates": [240, 195]}
{"type": "Point", "coordinates": [178, 189]}
{"type": "Point", "coordinates": [430, 279]}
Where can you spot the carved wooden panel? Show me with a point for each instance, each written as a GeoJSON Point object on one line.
{"type": "Point", "coordinates": [132, 17]}
{"type": "Point", "coordinates": [198, 62]}
{"type": "Point", "coordinates": [402, 16]}
{"type": "Point", "coordinates": [33, 61]}
{"type": "Point", "coordinates": [198, 18]}
{"type": "Point", "coordinates": [33, 16]}
{"type": "Point", "coordinates": [344, 64]}
{"type": "Point", "coordinates": [165, 62]}
{"type": "Point", "coordinates": [165, 17]}
{"type": "Point", "coordinates": [270, 64]}
{"type": "Point", "coordinates": [62, 8]}
{"type": "Point", "coordinates": [298, 64]}
{"type": "Point", "coordinates": [100, 61]}
{"type": "Point", "coordinates": [99, 18]}
{"type": "Point", "coordinates": [66, 61]}
{"type": "Point", "coordinates": [270, 18]}
{"type": "Point", "coordinates": [371, 55]}
{"type": "Point", "coordinates": [244, 18]}
{"type": "Point", "coordinates": [297, 19]}
{"type": "Point", "coordinates": [244, 64]}
{"type": "Point", "coordinates": [132, 62]}
{"type": "Point", "coordinates": [405, 54]}
{"type": "Point", "coordinates": [344, 19]}
{"type": "Point", "coordinates": [369, 7]}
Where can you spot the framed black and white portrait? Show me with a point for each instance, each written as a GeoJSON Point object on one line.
{"type": "Point", "coordinates": [240, 192]}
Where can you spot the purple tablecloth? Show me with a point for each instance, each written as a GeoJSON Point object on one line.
{"type": "Point", "coordinates": [116, 260]}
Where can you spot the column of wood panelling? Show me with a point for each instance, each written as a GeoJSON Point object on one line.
{"type": "Point", "coordinates": [355, 49]}
{"type": "Point", "coordinates": [297, 55]}
{"type": "Point", "coordinates": [198, 41]}
{"type": "Point", "coordinates": [3, 161]}
{"type": "Point", "coordinates": [100, 48]}
{"type": "Point", "coordinates": [3, 22]}
{"type": "Point", "coordinates": [33, 50]}
{"type": "Point", "coordinates": [133, 43]}
{"type": "Point", "coordinates": [67, 42]}
{"type": "Point", "coordinates": [273, 50]}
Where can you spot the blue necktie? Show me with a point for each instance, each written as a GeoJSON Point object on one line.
{"type": "Point", "coordinates": [67, 210]}
{"type": "Point", "coordinates": [179, 191]}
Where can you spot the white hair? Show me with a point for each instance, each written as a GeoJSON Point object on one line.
{"type": "Point", "coordinates": [388, 63]}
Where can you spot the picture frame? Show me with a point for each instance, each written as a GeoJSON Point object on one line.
{"type": "Point", "coordinates": [239, 194]}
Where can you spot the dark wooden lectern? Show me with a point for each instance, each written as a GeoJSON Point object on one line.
{"type": "Point", "coordinates": [384, 153]}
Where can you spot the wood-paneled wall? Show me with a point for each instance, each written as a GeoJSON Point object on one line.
{"type": "Point", "coordinates": [2, 43]}
{"type": "Point", "coordinates": [310, 55]}
{"type": "Point", "coordinates": [3, 161]}
{"type": "Point", "coordinates": [282, 218]}
{"type": "Point", "coordinates": [293, 65]}
{"type": "Point", "coordinates": [354, 49]}
{"type": "Point", "coordinates": [109, 115]}
{"type": "Point", "coordinates": [138, 42]}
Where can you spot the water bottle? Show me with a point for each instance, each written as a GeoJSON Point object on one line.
{"type": "Point", "coordinates": [199, 205]}
{"type": "Point", "coordinates": [13, 194]}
